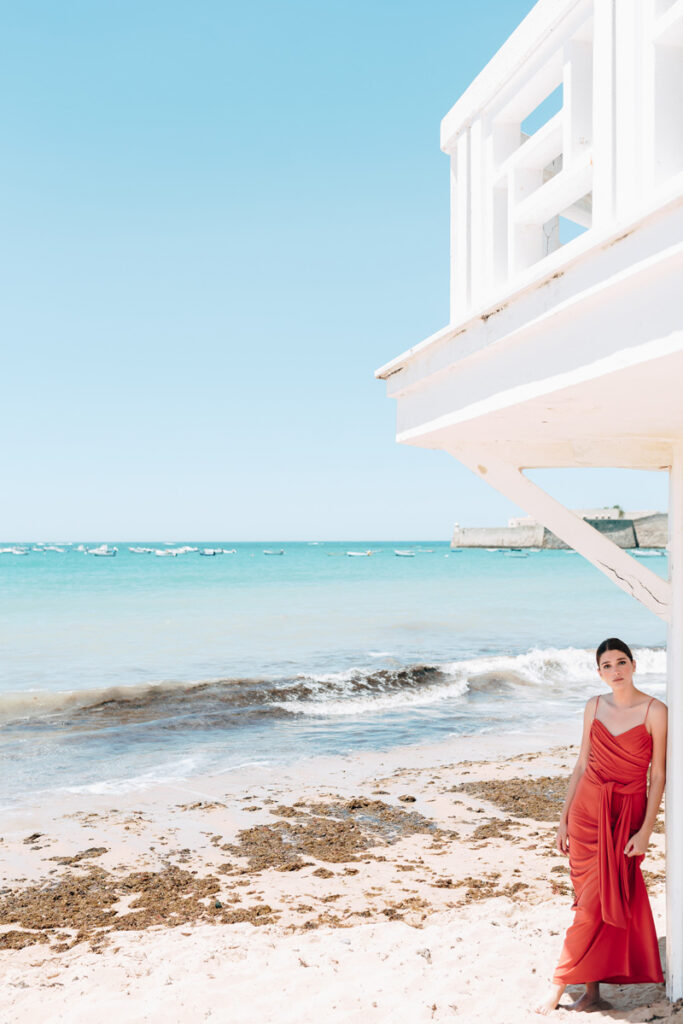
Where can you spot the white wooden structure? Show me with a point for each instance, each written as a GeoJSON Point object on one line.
{"type": "Point", "coordinates": [570, 354]}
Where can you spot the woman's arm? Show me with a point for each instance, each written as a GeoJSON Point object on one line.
{"type": "Point", "coordinates": [638, 842]}
{"type": "Point", "coordinates": [561, 841]}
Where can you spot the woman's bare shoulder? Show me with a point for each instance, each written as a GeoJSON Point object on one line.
{"type": "Point", "coordinates": [591, 704]}
{"type": "Point", "coordinates": [658, 710]}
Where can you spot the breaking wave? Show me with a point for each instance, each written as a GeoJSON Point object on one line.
{"type": "Point", "coordinates": [225, 703]}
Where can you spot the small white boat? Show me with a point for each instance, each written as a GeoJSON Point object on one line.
{"type": "Point", "coordinates": [166, 553]}
{"type": "Point", "coordinates": [648, 552]}
{"type": "Point", "coordinates": [404, 554]}
{"type": "Point", "coordinates": [103, 551]}
{"type": "Point", "coordinates": [358, 554]}
{"type": "Point", "coordinates": [13, 551]}
{"type": "Point", "coordinates": [229, 551]}
{"type": "Point", "coordinates": [280, 552]}
{"type": "Point", "coordinates": [54, 547]}
{"type": "Point", "coordinates": [210, 552]}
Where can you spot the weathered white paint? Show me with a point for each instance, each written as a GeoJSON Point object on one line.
{"type": "Point", "coordinates": [570, 355]}
{"type": "Point", "coordinates": [625, 249]}
{"type": "Point", "coordinates": [577, 368]}
{"type": "Point", "coordinates": [674, 757]}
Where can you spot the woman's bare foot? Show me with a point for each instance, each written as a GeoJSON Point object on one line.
{"type": "Point", "coordinates": [550, 1004]}
{"type": "Point", "coordinates": [590, 1000]}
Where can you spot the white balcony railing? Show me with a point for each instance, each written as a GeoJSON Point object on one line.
{"type": "Point", "coordinates": [528, 179]}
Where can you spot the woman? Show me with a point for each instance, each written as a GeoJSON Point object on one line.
{"type": "Point", "coordinates": [605, 827]}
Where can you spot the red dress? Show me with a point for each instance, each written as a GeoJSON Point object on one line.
{"type": "Point", "coordinates": [613, 936]}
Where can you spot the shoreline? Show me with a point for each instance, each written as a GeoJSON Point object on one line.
{"type": "Point", "coordinates": [358, 762]}
{"type": "Point", "coordinates": [387, 883]}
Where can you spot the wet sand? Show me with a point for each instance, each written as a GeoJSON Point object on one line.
{"type": "Point", "coordinates": [403, 886]}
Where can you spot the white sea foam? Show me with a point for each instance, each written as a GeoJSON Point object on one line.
{"type": "Point", "coordinates": [244, 764]}
{"type": "Point", "coordinates": [550, 665]}
{"type": "Point", "coordinates": [329, 707]}
{"type": "Point", "coordinates": [167, 772]}
{"type": "Point", "coordinates": [551, 673]}
{"type": "Point", "coordinates": [549, 670]}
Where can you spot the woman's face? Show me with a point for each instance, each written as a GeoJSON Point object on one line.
{"type": "Point", "coordinates": [616, 669]}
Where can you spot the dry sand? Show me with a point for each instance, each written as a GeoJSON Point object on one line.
{"type": "Point", "coordinates": [342, 889]}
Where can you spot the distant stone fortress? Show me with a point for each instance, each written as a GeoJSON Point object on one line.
{"type": "Point", "coordinates": [627, 529]}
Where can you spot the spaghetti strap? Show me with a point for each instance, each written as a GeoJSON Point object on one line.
{"type": "Point", "coordinates": [595, 709]}
{"type": "Point", "coordinates": [647, 709]}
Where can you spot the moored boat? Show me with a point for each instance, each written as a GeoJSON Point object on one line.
{"type": "Point", "coordinates": [103, 551]}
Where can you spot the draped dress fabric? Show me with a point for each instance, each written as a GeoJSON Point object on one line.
{"type": "Point", "coordinates": [613, 936]}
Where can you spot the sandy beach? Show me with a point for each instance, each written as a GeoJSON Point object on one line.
{"type": "Point", "coordinates": [402, 886]}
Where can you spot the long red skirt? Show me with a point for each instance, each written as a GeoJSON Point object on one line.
{"type": "Point", "coordinates": [613, 936]}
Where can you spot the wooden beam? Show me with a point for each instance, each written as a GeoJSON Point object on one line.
{"type": "Point", "coordinates": [624, 570]}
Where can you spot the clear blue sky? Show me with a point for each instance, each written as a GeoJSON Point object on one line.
{"type": "Point", "coordinates": [217, 220]}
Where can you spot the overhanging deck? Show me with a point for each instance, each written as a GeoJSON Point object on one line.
{"type": "Point", "coordinates": [597, 415]}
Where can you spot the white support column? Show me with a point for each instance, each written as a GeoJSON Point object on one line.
{"type": "Point", "coordinates": [647, 100]}
{"type": "Point", "coordinates": [628, 78]}
{"type": "Point", "coordinates": [455, 253]}
{"type": "Point", "coordinates": [628, 574]}
{"type": "Point", "coordinates": [577, 78]}
{"type": "Point", "coordinates": [504, 138]}
{"type": "Point", "coordinates": [674, 759]}
{"type": "Point", "coordinates": [477, 220]}
{"type": "Point", "coordinates": [603, 112]}
{"type": "Point", "coordinates": [526, 242]}
{"type": "Point", "coordinates": [460, 228]}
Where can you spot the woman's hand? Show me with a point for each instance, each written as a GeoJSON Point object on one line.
{"type": "Point", "coordinates": [637, 845]}
{"type": "Point", "coordinates": [561, 841]}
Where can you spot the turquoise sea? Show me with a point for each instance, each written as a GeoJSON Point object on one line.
{"type": "Point", "coordinates": [120, 672]}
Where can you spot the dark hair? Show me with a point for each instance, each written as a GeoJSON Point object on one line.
{"type": "Point", "coordinates": [613, 643]}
